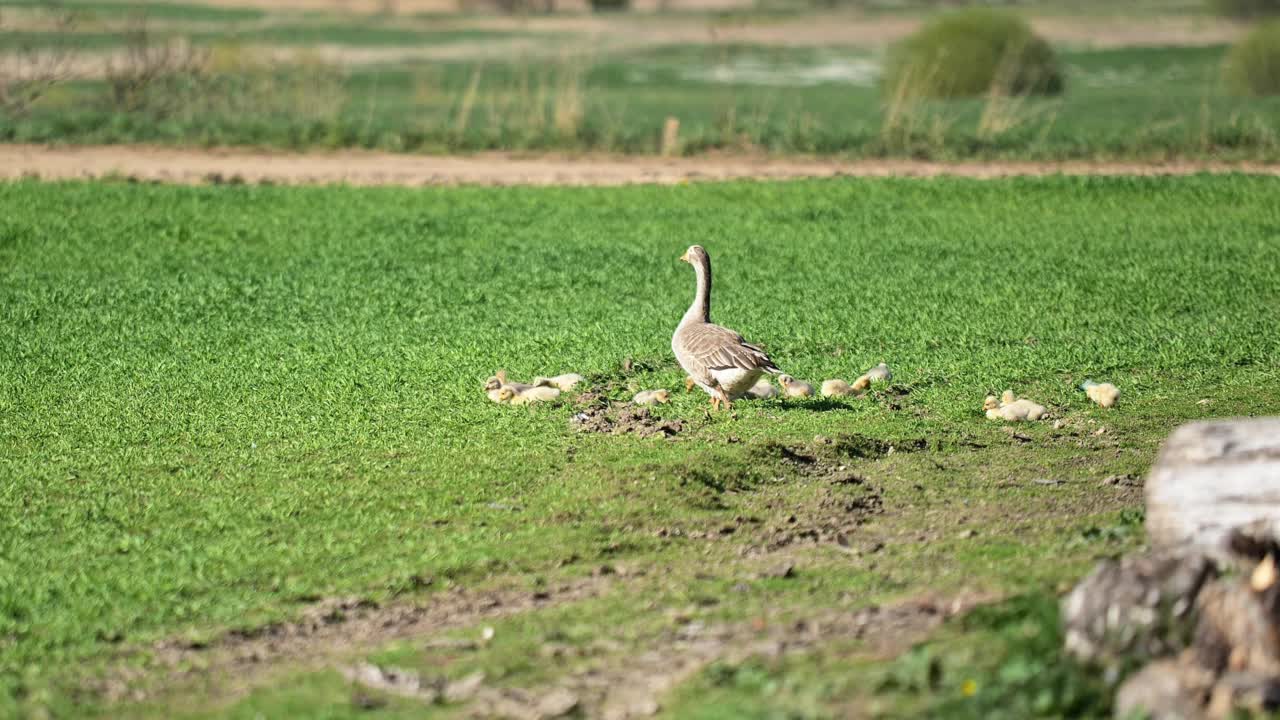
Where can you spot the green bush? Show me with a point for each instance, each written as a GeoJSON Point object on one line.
{"type": "Point", "coordinates": [969, 53]}
{"type": "Point", "coordinates": [1253, 65]}
{"type": "Point", "coordinates": [1245, 8]}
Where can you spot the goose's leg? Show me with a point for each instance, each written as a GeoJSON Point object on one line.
{"type": "Point", "coordinates": [724, 398]}
{"type": "Point", "coordinates": [717, 394]}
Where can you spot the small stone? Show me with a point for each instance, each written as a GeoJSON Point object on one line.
{"type": "Point", "coordinates": [1121, 481]}
{"type": "Point", "coordinates": [557, 703]}
{"type": "Point", "coordinates": [966, 534]}
{"type": "Point", "coordinates": [1157, 692]}
{"type": "Point", "coordinates": [464, 688]}
{"type": "Point", "coordinates": [781, 570]}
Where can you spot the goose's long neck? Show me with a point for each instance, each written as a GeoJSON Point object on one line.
{"type": "Point", "coordinates": [700, 310]}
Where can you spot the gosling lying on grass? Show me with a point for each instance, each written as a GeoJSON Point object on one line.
{"type": "Point", "coordinates": [1011, 409]}
{"type": "Point", "coordinates": [494, 386]}
{"type": "Point", "coordinates": [652, 397]}
{"type": "Point", "coordinates": [1105, 394]}
{"type": "Point", "coordinates": [537, 393]}
{"type": "Point", "coordinates": [879, 373]}
{"type": "Point", "coordinates": [862, 384]}
{"type": "Point", "coordinates": [836, 388]}
{"type": "Point", "coordinates": [565, 382]}
{"type": "Point", "coordinates": [762, 389]}
{"type": "Point", "coordinates": [794, 388]}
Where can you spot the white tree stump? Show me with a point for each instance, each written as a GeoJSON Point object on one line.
{"type": "Point", "coordinates": [1211, 477]}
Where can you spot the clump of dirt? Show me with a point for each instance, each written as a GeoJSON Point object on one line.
{"type": "Point", "coordinates": [834, 519]}
{"type": "Point", "coordinates": [622, 418]}
{"type": "Point", "coordinates": [892, 397]}
{"type": "Point", "coordinates": [853, 445]}
{"type": "Point", "coordinates": [825, 459]}
{"type": "Point", "coordinates": [838, 502]}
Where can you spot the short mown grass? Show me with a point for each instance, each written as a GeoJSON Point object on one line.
{"type": "Point", "coordinates": [219, 403]}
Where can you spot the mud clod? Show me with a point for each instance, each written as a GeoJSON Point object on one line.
{"type": "Point", "coordinates": [621, 419]}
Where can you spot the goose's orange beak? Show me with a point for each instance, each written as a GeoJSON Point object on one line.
{"type": "Point", "coordinates": [685, 256]}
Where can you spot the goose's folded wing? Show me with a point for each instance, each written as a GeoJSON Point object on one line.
{"type": "Point", "coordinates": [719, 348]}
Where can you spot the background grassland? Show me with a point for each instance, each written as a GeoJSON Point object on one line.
{"type": "Point", "coordinates": [219, 403]}
{"type": "Point", "coordinates": [452, 84]}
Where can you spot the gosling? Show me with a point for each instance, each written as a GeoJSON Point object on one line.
{"type": "Point", "coordinates": [652, 397]}
{"type": "Point", "coordinates": [880, 373]}
{"type": "Point", "coordinates": [565, 383]}
{"type": "Point", "coordinates": [535, 394]}
{"type": "Point", "coordinates": [494, 385]}
{"type": "Point", "coordinates": [794, 388]}
{"type": "Point", "coordinates": [762, 390]}
{"type": "Point", "coordinates": [862, 384]}
{"type": "Point", "coordinates": [1104, 394]}
{"type": "Point", "coordinates": [836, 388]}
{"type": "Point", "coordinates": [494, 389]}
{"type": "Point", "coordinates": [1011, 409]}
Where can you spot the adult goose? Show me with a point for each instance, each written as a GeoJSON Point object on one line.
{"type": "Point", "coordinates": [717, 359]}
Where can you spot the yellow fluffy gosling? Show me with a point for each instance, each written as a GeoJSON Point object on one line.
{"type": "Point", "coordinates": [762, 389]}
{"type": "Point", "coordinates": [494, 385]}
{"type": "Point", "coordinates": [652, 397]}
{"type": "Point", "coordinates": [565, 382]}
{"type": "Point", "coordinates": [537, 393]}
{"type": "Point", "coordinates": [1012, 409]}
{"type": "Point", "coordinates": [1105, 394]}
{"type": "Point", "coordinates": [794, 388]}
{"type": "Point", "coordinates": [862, 384]}
{"type": "Point", "coordinates": [493, 388]}
{"type": "Point", "coordinates": [836, 388]}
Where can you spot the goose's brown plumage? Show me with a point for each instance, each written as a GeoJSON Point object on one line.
{"type": "Point", "coordinates": [716, 358]}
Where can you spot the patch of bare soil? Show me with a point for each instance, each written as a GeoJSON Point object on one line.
{"type": "Point", "coordinates": [184, 166]}
{"type": "Point", "coordinates": [330, 627]}
{"type": "Point", "coordinates": [623, 418]}
{"type": "Point", "coordinates": [832, 515]}
{"type": "Point", "coordinates": [633, 683]}
{"type": "Point", "coordinates": [854, 30]}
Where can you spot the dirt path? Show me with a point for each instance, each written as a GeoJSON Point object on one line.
{"type": "Point", "coordinates": [371, 168]}
{"type": "Point", "coordinates": [635, 683]}
{"type": "Point", "coordinates": [238, 660]}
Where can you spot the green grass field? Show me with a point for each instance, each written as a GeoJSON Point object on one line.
{"type": "Point", "coordinates": [220, 404]}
